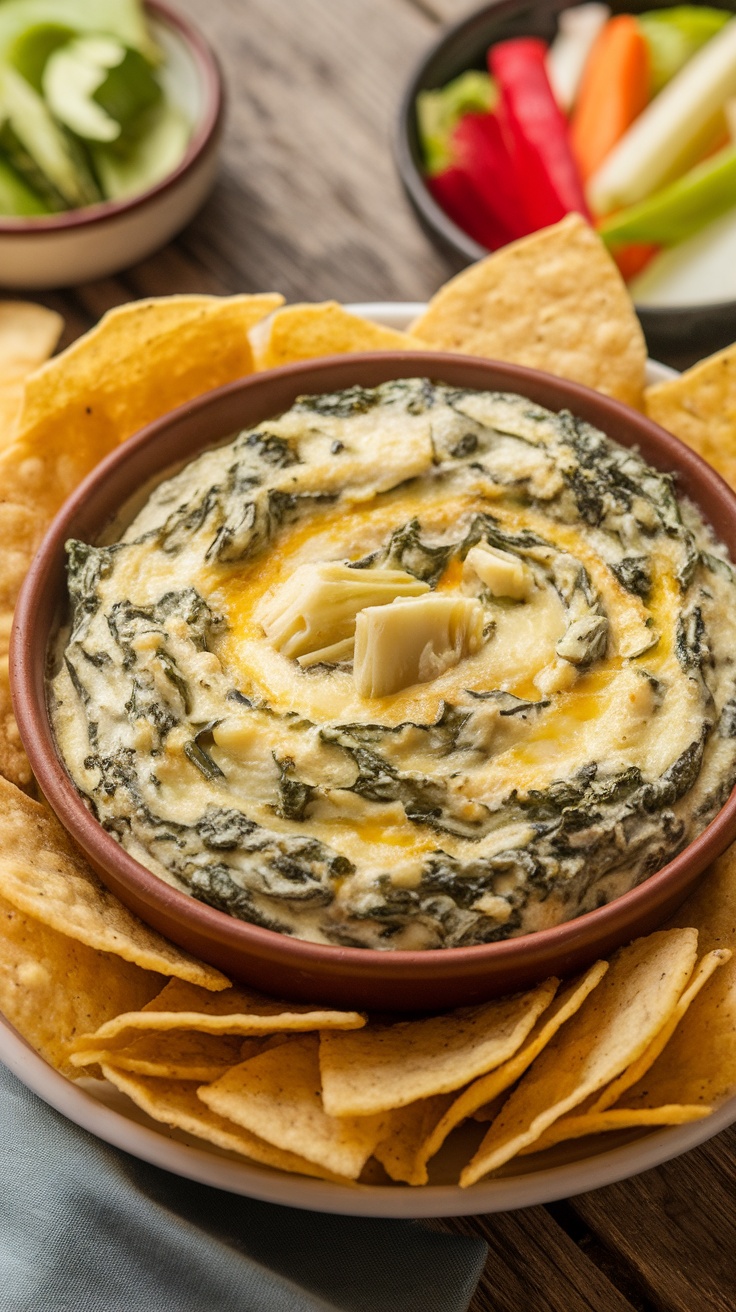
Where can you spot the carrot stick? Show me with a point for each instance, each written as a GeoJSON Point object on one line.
{"type": "Point", "coordinates": [633, 259]}
{"type": "Point", "coordinates": [613, 92]}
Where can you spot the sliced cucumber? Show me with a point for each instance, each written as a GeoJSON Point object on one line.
{"type": "Point", "coordinates": [16, 198]}
{"type": "Point", "coordinates": [51, 151]}
{"type": "Point", "coordinates": [129, 90]}
{"type": "Point", "coordinates": [156, 153]}
{"type": "Point", "coordinates": [99, 88]}
{"type": "Point", "coordinates": [72, 76]}
{"type": "Point", "coordinates": [30, 51]}
{"type": "Point", "coordinates": [123, 19]}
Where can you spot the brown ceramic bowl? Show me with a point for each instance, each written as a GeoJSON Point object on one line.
{"type": "Point", "coordinates": [275, 962]}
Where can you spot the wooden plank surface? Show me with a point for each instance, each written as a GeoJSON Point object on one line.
{"type": "Point", "coordinates": [308, 203]}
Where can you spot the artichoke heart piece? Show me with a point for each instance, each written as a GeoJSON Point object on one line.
{"type": "Point", "coordinates": [502, 573]}
{"type": "Point", "coordinates": [311, 618]}
{"type": "Point", "coordinates": [414, 641]}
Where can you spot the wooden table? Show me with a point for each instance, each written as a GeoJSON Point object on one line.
{"type": "Point", "coordinates": [308, 203]}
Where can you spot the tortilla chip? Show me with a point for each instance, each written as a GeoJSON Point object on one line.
{"type": "Point", "coordinates": [28, 336]}
{"type": "Point", "coordinates": [181, 1006]}
{"type": "Point", "coordinates": [617, 1118]}
{"type": "Point", "coordinates": [181, 1055]}
{"type": "Point", "coordinates": [554, 301]}
{"type": "Point", "coordinates": [175, 1102]}
{"type": "Point", "coordinates": [406, 1131]}
{"type": "Point", "coordinates": [53, 988]}
{"type": "Point", "coordinates": [11, 404]}
{"type": "Point", "coordinates": [45, 876]}
{"type": "Point", "coordinates": [698, 1066]}
{"type": "Point", "coordinates": [277, 1096]}
{"type": "Point", "coordinates": [488, 1087]}
{"type": "Point", "coordinates": [702, 973]}
{"type": "Point", "coordinates": [141, 361]}
{"type": "Point", "coordinates": [387, 1066]}
{"type": "Point", "coordinates": [699, 407]}
{"type": "Point", "coordinates": [306, 332]}
{"type": "Point", "coordinates": [617, 1023]}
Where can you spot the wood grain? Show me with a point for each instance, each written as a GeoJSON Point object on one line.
{"type": "Point", "coordinates": [533, 1266]}
{"type": "Point", "coordinates": [675, 1227]}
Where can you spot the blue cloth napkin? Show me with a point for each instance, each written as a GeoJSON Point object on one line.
{"type": "Point", "coordinates": [86, 1228]}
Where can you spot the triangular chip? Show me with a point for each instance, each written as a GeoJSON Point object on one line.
{"type": "Point", "coordinates": [698, 1066]}
{"type": "Point", "coordinates": [141, 361]}
{"type": "Point", "coordinates": [53, 987]}
{"type": "Point", "coordinates": [387, 1066]}
{"type": "Point", "coordinates": [699, 407]}
{"type": "Point", "coordinates": [406, 1131]}
{"type": "Point", "coordinates": [306, 332]}
{"type": "Point", "coordinates": [277, 1095]}
{"type": "Point", "coordinates": [554, 301]}
{"type": "Point", "coordinates": [181, 1006]}
{"type": "Point", "coordinates": [45, 876]}
{"type": "Point", "coordinates": [617, 1118]}
{"type": "Point", "coordinates": [181, 1055]}
{"type": "Point", "coordinates": [28, 335]}
{"type": "Point", "coordinates": [488, 1087]}
{"type": "Point", "coordinates": [616, 1024]}
{"type": "Point", "coordinates": [175, 1103]}
{"type": "Point", "coordinates": [635, 1072]}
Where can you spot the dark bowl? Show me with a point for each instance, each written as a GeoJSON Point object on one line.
{"type": "Point", "coordinates": [678, 336]}
{"type": "Point", "coordinates": [275, 962]}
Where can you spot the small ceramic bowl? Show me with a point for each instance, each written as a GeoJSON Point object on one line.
{"type": "Point", "coordinates": [678, 335]}
{"type": "Point", "coordinates": [271, 961]}
{"type": "Point", "coordinates": [80, 245]}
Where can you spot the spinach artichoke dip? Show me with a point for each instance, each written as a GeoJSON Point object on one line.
{"type": "Point", "coordinates": [411, 667]}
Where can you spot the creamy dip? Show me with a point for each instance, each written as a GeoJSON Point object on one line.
{"type": "Point", "coordinates": [560, 717]}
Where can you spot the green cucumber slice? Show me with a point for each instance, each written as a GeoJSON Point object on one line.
{"type": "Point", "coordinates": [30, 51]}
{"type": "Point", "coordinates": [50, 150]}
{"type": "Point", "coordinates": [16, 198]}
{"type": "Point", "coordinates": [123, 19]}
{"type": "Point", "coordinates": [155, 154]}
{"type": "Point", "coordinates": [98, 88]}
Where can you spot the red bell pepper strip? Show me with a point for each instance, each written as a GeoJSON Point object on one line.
{"type": "Point", "coordinates": [479, 149]}
{"type": "Point", "coordinates": [456, 194]}
{"type": "Point", "coordinates": [535, 132]}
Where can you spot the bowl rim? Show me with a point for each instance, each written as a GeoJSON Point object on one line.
{"type": "Point", "coordinates": [28, 653]}
{"type": "Point", "coordinates": [206, 130]}
{"type": "Point", "coordinates": [434, 216]}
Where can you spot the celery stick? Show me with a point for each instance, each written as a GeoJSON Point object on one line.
{"type": "Point", "coordinates": [577, 30]}
{"type": "Point", "coordinates": [648, 154]}
{"type": "Point", "coordinates": [676, 212]}
{"type": "Point", "coordinates": [698, 271]}
{"type": "Point", "coordinates": [673, 36]}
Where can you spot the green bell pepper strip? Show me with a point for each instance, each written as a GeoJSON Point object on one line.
{"type": "Point", "coordinates": [674, 35]}
{"type": "Point", "coordinates": [678, 211]}
{"type": "Point", "coordinates": [439, 112]}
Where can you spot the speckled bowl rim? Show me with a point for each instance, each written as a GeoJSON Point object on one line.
{"type": "Point", "coordinates": [206, 131]}
{"type": "Point", "coordinates": [28, 653]}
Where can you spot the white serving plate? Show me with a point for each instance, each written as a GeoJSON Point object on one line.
{"type": "Point", "coordinates": [573, 1168]}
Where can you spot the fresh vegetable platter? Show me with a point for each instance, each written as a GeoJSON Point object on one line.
{"type": "Point", "coordinates": [626, 118]}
